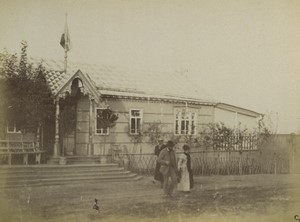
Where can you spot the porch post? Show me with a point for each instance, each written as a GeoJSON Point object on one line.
{"type": "Point", "coordinates": [37, 142]}
{"type": "Point", "coordinates": [90, 145]}
{"type": "Point", "coordinates": [56, 144]}
{"type": "Point", "coordinates": [38, 137]}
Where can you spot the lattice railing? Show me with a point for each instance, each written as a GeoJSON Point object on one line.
{"type": "Point", "coordinates": [142, 163]}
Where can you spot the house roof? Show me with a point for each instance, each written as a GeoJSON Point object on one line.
{"type": "Point", "coordinates": [110, 80]}
{"type": "Point", "coordinates": [237, 109]}
{"type": "Point", "coordinates": [136, 83]}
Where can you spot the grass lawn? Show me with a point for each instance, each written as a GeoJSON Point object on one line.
{"type": "Point", "coordinates": [214, 198]}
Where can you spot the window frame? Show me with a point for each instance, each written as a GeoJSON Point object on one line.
{"type": "Point", "coordinates": [101, 129]}
{"type": "Point", "coordinates": [139, 117]}
{"type": "Point", "coordinates": [14, 128]}
{"type": "Point", "coordinates": [190, 119]}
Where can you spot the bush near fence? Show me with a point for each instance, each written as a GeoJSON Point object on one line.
{"type": "Point", "coordinates": [234, 142]}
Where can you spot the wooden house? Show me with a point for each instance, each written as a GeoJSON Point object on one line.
{"type": "Point", "coordinates": [139, 98]}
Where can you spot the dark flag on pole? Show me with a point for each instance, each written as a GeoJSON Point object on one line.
{"type": "Point", "coordinates": [65, 41]}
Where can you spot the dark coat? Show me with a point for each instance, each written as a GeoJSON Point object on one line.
{"type": "Point", "coordinates": [158, 175]}
{"type": "Point", "coordinates": [167, 160]}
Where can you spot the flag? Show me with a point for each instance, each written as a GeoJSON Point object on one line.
{"type": "Point", "coordinates": [65, 41]}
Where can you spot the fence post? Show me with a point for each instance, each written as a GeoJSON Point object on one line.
{"type": "Point", "coordinates": [260, 162]}
{"type": "Point", "coordinates": [202, 163]}
{"type": "Point", "coordinates": [227, 163]}
{"type": "Point", "coordinates": [217, 164]}
{"type": "Point", "coordinates": [246, 164]}
{"type": "Point", "coordinates": [139, 164]}
{"type": "Point", "coordinates": [240, 164]}
{"type": "Point", "coordinates": [250, 164]}
{"type": "Point", "coordinates": [275, 164]}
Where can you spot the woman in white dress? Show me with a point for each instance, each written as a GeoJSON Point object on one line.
{"type": "Point", "coordinates": [184, 168]}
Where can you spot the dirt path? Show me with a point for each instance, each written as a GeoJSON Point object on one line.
{"type": "Point", "coordinates": [213, 197]}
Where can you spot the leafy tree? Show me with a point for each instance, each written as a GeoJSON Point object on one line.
{"type": "Point", "coordinates": [27, 100]}
{"type": "Point", "coordinates": [7, 69]}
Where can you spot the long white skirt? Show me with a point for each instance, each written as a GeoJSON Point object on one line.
{"type": "Point", "coordinates": [184, 184]}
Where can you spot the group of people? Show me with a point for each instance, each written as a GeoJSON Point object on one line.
{"type": "Point", "coordinates": [172, 171]}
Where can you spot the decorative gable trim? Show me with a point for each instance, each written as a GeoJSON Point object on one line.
{"type": "Point", "coordinates": [156, 99]}
{"type": "Point", "coordinates": [88, 87]}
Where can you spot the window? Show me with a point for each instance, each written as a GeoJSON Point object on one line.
{"type": "Point", "coordinates": [135, 121]}
{"type": "Point", "coordinates": [99, 125]}
{"type": "Point", "coordinates": [12, 127]}
{"type": "Point", "coordinates": [185, 122]}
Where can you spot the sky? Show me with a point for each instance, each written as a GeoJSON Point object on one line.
{"type": "Point", "coordinates": [245, 53]}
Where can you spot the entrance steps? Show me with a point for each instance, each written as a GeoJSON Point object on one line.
{"type": "Point", "coordinates": [75, 160]}
{"type": "Point", "coordinates": [45, 175]}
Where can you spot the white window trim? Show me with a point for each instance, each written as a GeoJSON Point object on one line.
{"type": "Point", "coordinates": [190, 112]}
{"type": "Point", "coordinates": [101, 129]}
{"type": "Point", "coordinates": [14, 131]}
{"type": "Point", "coordinates": [141, 122]}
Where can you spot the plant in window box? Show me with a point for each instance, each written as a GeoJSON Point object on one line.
{"type": "Point", "coordinates": [106, 118]}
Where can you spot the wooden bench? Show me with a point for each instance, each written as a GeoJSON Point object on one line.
{"type": "Point", "coordinates": [10, 148]}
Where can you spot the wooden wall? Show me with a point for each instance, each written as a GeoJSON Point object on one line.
{"type": "Point", "coordinates": [152, 112]}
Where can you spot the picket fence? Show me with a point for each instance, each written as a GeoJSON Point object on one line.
{"type": "Point", "coordinates": [218, 163]}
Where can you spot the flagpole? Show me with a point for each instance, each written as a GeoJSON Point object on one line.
{"type": "Point", "coordinates": [66, 60]}
{"type": "Point", "coordinates": [66, 44]}
{"type": "Point", "coordinates": [66, 49]}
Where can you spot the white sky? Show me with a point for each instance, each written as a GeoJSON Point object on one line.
{"type": "Point", "coordinates": [245, 53]}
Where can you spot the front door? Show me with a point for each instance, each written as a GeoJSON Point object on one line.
{"type": "Point", "coordinates": [82, 126]}
{"type": "Point", "coordinates": [69, 144]}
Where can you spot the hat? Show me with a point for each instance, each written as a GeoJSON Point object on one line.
{"type": "Point", "coordinates": [170, 143]}
{"type": "Point", "coordinates": [185, 147]}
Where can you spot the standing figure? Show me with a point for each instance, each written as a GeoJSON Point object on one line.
{"type": "Point", "coordinates": [158, 175]}
{"type": "Point", "coordinates": [184, 167]}
{"type": "Point", "coordinates": [168, 168]}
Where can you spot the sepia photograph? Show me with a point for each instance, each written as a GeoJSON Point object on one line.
{"type": "Point", "coordinates": [149, 110]}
